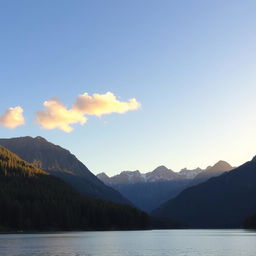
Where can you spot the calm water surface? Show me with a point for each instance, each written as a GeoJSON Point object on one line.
{"type": "Point", "coordinates": [132, 243]}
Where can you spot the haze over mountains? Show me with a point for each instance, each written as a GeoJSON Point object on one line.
{"type": "Point", "coordinates": [60, 162]}
{"type": "Point", "coordinates": [148, 190]}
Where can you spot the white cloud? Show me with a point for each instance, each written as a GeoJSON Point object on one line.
{"type": "Point", "coordinates": [100, 104]}
{"type": "Point", "coordinates": [58, 116]}
{"type": "Point", "coordinates": [12, 118]}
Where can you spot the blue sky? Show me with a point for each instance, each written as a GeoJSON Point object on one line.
{"type": "Point", "coordinates": [190, 64]}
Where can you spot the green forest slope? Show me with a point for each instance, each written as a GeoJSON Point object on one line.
{"type": "Point", "coordinates": [31, 199]}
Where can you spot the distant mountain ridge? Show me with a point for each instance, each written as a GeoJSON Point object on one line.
{"type": "Point", "coordinates": [220, 202]}
{"type": "Point", "coordinates": [59, 162]}
{"type": "Point", "coordinates": [148, 190]}
{"type": "Point", "coordinates": [161, 173]}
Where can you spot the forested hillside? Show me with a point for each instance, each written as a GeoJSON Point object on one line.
{"type": "Point", "coordinates": [31, 199]}
{"type": "Point", "coordinates": [59, 162]}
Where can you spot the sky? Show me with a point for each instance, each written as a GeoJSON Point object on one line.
{"type": "Point", "coordinates": [131, 85]}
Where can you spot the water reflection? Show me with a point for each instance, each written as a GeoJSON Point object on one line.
{"type": "Point", "coordinates": [132, 243]}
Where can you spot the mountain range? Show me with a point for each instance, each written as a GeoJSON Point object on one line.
{"type": "Point", "coordinates": [148, 190]}
{"type": "Point", "coordinates": [161, 173]}
{"type": "Point", "coordinates": [45, 187]}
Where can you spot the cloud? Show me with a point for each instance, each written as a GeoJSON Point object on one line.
{"type": "Point", "coordinates": [100, 104]}
{"type": "Point", "coordinates": [58, 116]}
{"type": "Point", "coordinates": [12, 118]}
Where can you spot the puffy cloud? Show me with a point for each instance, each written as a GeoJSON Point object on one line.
{"type": "Point", "coordinates": [12, 118]}
{"type": "Point", "coordinates": [100, 104]}
{"type": "Point", "coordinates": [56, 115]}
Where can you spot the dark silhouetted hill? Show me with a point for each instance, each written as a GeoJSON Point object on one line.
{"type": "Point", "coordinates": [221, 202]}
{"type": "Point", "coordinates": [60, 162]}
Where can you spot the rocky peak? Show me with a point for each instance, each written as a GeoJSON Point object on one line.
{"type": "Point", "coordinates": [221, 166]}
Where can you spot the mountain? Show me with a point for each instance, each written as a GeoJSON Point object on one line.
{"type": "Point", "coordinates": [60, 162]}
{"type": "Point", "coordinates": [104, 178]}
{"type": "Point", "coordinates": [189, 174]}
{"type": "Point", "coordinates": [31, 199]}
{"type": "Point", "coordinates": [212, 171]}
{"type": "Point", "coordinates": [148, 190]}
{"type": "Point", "coordinates": [220, 202]}
{"type": "Point", "coordinates": [125, 177]}
{"type": "Point", "coordinates": [159, 174]}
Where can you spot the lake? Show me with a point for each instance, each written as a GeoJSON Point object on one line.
{"type": "Point", "coordinates": [132, 243]}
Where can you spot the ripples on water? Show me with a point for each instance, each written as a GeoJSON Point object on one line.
{"type": "Point", "coordinates": [132, 243]}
